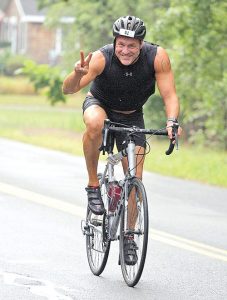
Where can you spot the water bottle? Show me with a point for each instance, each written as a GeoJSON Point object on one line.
{"type": "Point", "coordinates": [114, 194]}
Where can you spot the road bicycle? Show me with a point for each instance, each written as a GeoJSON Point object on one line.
{"type": "Point", "coordinates": [126, 207]}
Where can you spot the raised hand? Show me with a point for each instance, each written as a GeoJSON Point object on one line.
{"type": "Point", "coordinates": [82, 66]}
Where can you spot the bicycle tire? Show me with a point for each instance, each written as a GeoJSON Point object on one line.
{"type": "Point", "coordinates": [97, 241]}
{"type": "Point", "coordinates": [132, 273]}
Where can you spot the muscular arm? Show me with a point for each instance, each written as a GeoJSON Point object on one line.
{"type": "Point", "coordinates": [84, 72]}
{"type": "Point", "coordinates": [165, 83]}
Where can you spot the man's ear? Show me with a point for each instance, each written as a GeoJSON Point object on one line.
{"type": "Point", "coordinates": [141, 44]}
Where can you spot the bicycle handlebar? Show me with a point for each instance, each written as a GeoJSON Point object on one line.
{"type": "Point", "coordinates": [109, 126]}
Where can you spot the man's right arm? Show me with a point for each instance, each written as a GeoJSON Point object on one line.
{"type": "Point", "coordinates": [86, 70]}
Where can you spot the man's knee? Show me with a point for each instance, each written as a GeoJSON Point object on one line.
{"type": "Point", "coordinates": [94, 118]}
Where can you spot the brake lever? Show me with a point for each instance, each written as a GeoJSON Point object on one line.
{"type": "Point", "coordinates": [105, 131]}
{"type": "Point", "coordinates": [171, 147]}
{"type": "Point", "coordinates": [174, 140]}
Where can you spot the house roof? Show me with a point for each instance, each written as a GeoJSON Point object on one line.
{"type": "Point", "coordinates": [30, 7]}
{"type": "Point", "coordinates": [3, 4]}
{"type": "Point", "coordinates": [29, 11]}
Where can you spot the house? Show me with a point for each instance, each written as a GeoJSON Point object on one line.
{"type": "Point", "coordinates": [22, 26]}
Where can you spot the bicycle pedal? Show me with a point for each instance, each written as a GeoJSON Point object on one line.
{"type": "Point", "coordinates": [89, 234]}
{"type": "Point", "coordinates": [86, 227]}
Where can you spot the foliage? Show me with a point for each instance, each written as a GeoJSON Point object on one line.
{"type": "Point", "coordinates": [44, 76]}
{"type": "Point", "coordinates": [10, 63]}
{"type": "Point", "coordinates": [194, 34]}
{"type": "Point", "coordinates": [197, 42]}
{"type": "Point", "coordinates": [4, 44]}
{"type": "Point", "coordinates": [93, 21]}
{"type": "Point", "coordinates": [154, 112]}
{"type": "Point", "coordinates": [45, 3]}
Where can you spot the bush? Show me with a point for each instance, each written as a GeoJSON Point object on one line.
{"type": "Point", "coordinates": [45, 77]}
{"type": "Point", "coordinates": [10, 63]}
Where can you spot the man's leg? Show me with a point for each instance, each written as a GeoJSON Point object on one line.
{"type": "Point", "coordinates": [94, 117]}
{"type": "Point", "coordinates": [139, 162]}
{"type": "Point", "coordinates": [132, 208]}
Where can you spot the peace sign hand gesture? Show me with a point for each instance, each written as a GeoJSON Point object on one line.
{"type": "Point", "coordinates": [82, 66]}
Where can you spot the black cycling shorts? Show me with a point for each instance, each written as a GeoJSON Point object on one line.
{"type": "Point", "coordinates": [133, 119]}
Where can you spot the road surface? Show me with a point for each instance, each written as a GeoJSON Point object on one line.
{"type": "Point", "coordinates": [42, 250]}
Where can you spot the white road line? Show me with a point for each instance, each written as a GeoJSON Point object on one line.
{"type": "Point", "coordinates": [199, 248]}
{"type": "Point", "coordinates": [161, 236]}
{"type": "Point", "coordinates": [43, 200]}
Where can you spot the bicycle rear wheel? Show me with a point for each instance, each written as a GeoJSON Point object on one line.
{"type": "Point", "coordinates": [134, 225]}
{"type": "Point", "coordinates": [97, 241]}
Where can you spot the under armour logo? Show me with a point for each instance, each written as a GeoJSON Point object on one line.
{"type": "Point", "coordinates": [128, 74]}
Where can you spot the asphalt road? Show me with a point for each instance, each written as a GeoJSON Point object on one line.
{"type": "Point", "coordinates": [42, 250]}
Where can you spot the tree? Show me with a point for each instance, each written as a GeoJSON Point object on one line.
{"type": "Point", "coordinates": [93, 21]}
{"type": "Point", "coordinates": [197, 41]}
{"type": "Point", "coordinates": [194, 34]}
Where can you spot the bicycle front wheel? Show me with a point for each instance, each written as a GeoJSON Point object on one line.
{"type": "Point", "coordinates": [134, 232]}
{"type": "Point", "coordinates": [97, 241]}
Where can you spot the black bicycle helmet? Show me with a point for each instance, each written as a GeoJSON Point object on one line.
{"type": "Point", "coordinates": [129, 26]}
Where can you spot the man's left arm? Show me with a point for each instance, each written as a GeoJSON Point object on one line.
{"type": "Point", "coordinates": [166, 86]}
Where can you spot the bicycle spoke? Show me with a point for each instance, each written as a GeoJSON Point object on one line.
{"type": "Point", "coordinates": [97, 243]}
{"type": "Point", "coordinates": [134, 225]}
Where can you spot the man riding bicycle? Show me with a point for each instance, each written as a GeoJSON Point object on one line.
{"type": "Point", "coordinates": [122, 77]}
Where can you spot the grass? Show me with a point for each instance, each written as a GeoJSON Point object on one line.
{"type": "Point", "coordinates": [16, 85]}
{"type": "Point", "coordinates": [30, 119]}
{"type": "Point", "coordinates": [189, 162]}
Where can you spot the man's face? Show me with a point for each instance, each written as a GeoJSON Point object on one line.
{"type": "Point", "coordinates": [127, 49]}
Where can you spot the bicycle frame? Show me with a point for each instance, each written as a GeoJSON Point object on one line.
{"type": "Point", "coordinates": [112, 160]}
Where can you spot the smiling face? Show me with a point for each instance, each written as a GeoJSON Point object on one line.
{"type": "Point", "coordinates": [127, 49]}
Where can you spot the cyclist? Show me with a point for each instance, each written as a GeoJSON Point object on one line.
{"type": "Point", "coordinates": [122, 77]}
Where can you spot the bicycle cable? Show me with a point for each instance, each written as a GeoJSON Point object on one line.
{"type": "Point", "coordinates": [147, 143]}
{"type": "Point", "coordinates": [137, 135]}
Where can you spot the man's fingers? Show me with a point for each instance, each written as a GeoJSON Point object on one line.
{"type": "Point", "coordinates": [82, 66]}
{"type": "Point", "coordinates": [88, 58]}
{"type": "Point", "coordinates": [82, 58]}
{"type": "Point", "coordinates": [179, 131]}
{"type": "Point", "coordinates": [169, 130]}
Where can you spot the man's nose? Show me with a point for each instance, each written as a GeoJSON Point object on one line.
{"type": "Point", "coordinates": [125, 49]}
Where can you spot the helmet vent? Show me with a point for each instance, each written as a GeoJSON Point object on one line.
{"type": "Point", "coordinates": [129, 26]}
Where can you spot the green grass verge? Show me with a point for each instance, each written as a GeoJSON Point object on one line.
{"type": "Point", "coordinates": [189, 162]}
{"type": "Point", "coordinates": [31, 119]}
{"type": "Point", "coordinates": [16, 85]}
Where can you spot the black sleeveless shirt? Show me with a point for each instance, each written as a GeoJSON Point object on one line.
{"type": "Point", "coordinates": [123, 87]}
